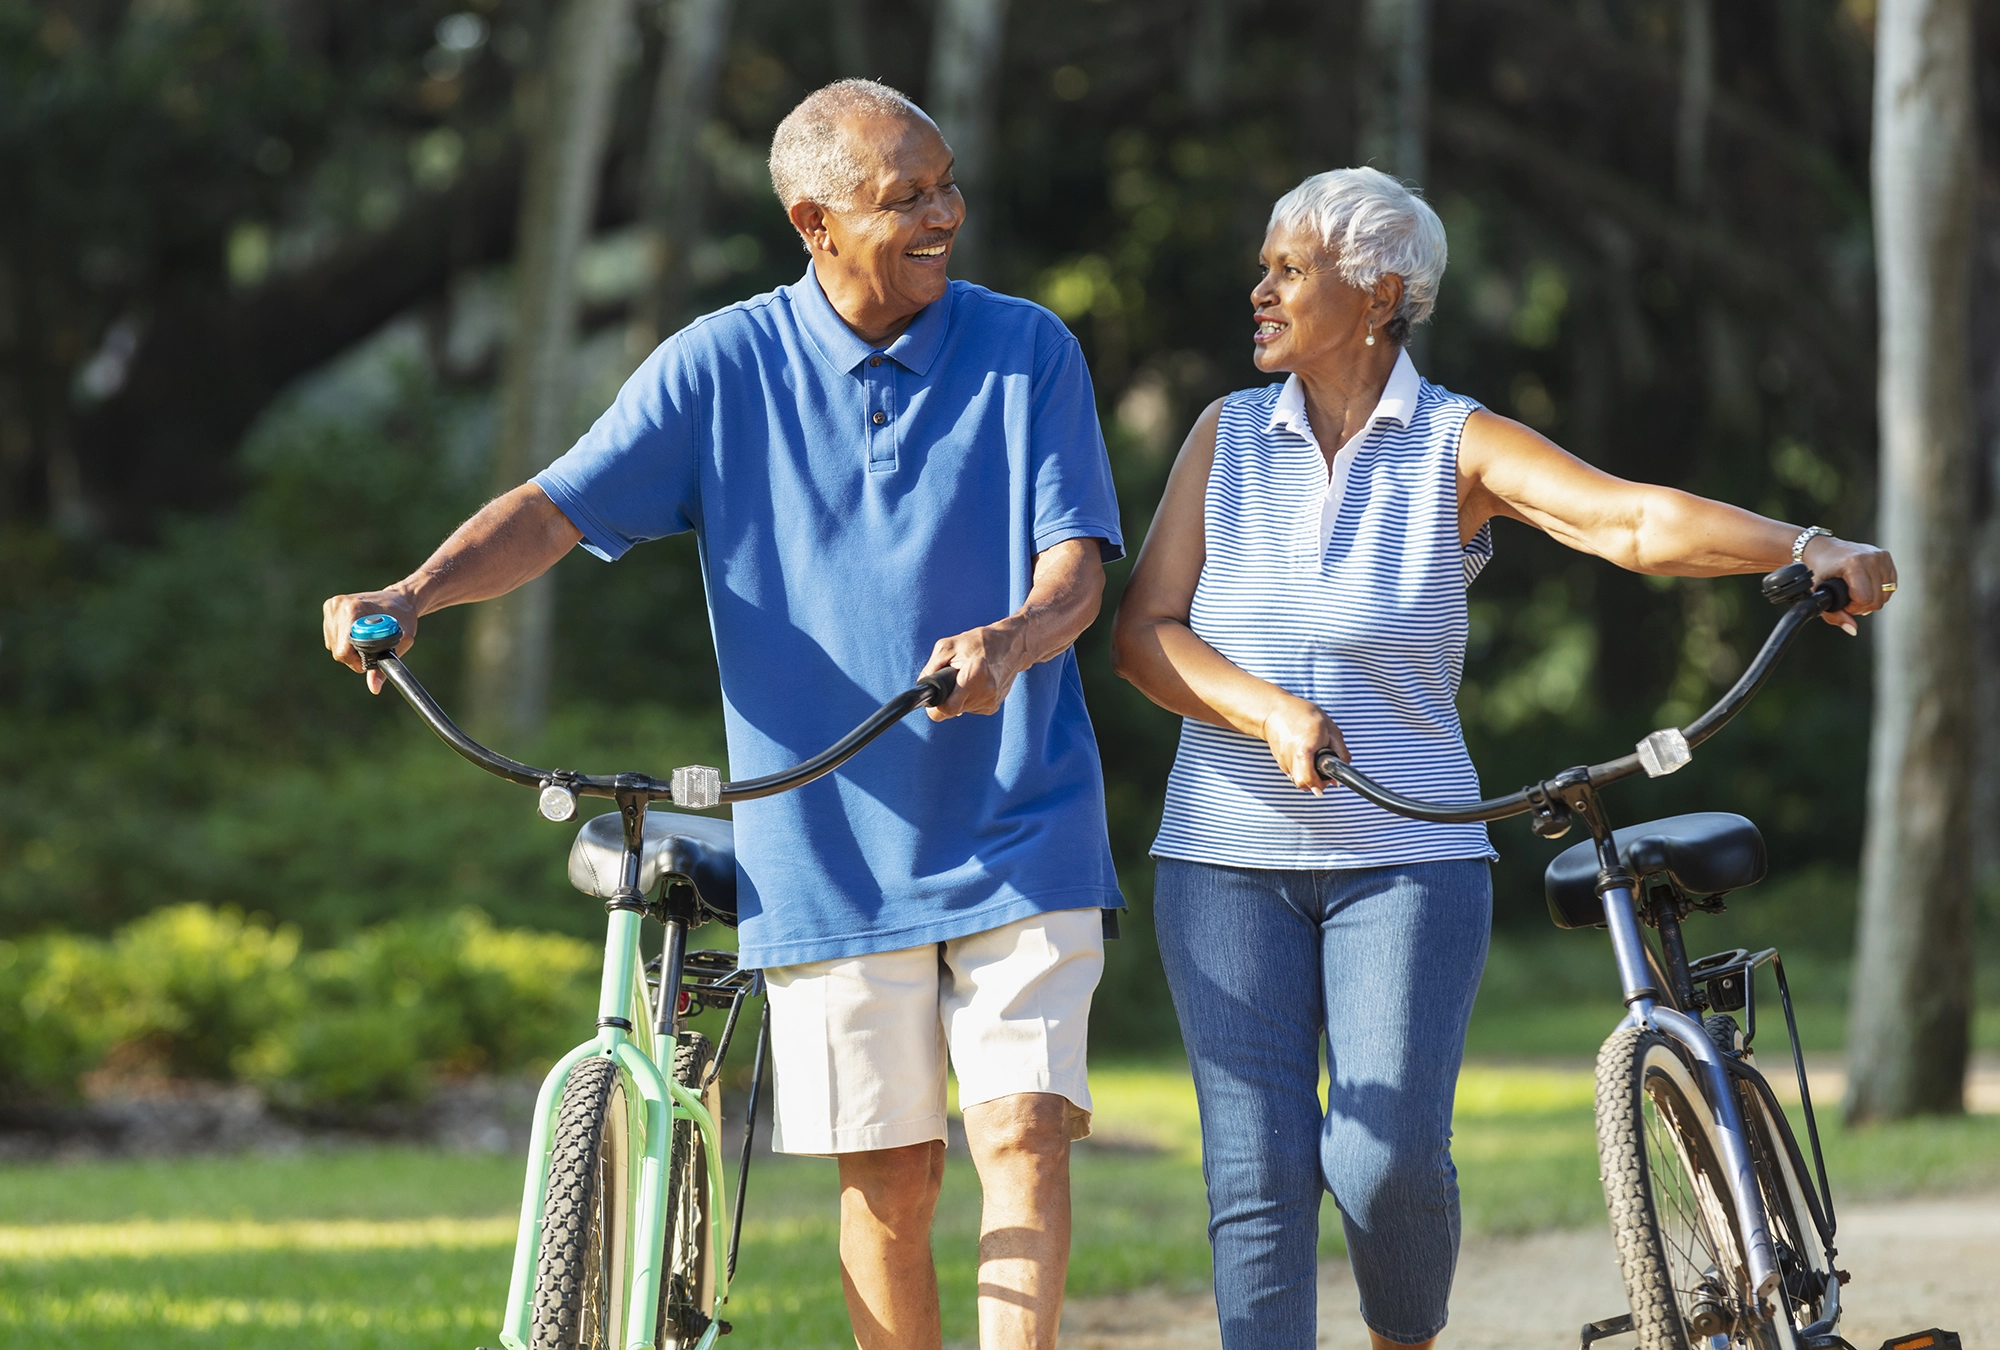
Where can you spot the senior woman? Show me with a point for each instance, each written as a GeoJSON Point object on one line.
{"type": "Point", "coordinates": [1303, 588]}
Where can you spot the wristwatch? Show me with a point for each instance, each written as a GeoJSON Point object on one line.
{"type": "Point", "coordinates": [1806, 537]}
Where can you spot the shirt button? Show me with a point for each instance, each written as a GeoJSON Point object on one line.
{"type": "Point", "coordinates": [874, 360]}
{"type": "Point", "coordinates": [880, 418]}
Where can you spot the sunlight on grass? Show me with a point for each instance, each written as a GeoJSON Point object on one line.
{"type": "Point", "coordinates": [402, 1248]}
{"type": "Point", "coordinates": [188, 1237]}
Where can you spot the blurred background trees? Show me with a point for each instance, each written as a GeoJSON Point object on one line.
{"type": "Point", "coordinates": [270, 279]}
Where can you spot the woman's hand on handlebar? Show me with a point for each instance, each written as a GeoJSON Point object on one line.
{"type": "Point", "coordinates": [338, 614]}
{"type": "Point", "coordinates": [1296, 731]}
{"type": "Point", "coordinates": [1870, 574]}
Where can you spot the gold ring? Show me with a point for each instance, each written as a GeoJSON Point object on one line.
{"type": "Point", "coordinates": [1888, 586]}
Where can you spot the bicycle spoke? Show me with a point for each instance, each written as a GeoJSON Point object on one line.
{"type": "Point", "coordinates": [1684, 1207]}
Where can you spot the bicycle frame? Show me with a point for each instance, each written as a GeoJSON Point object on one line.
{"type": "Point", "coordinates": [632, 1035]}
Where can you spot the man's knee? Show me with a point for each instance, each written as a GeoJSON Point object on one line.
{"type": "Point", "coordinates": [898, 1187]}
{"type": "Point", "coordinates": [1025, 1129]}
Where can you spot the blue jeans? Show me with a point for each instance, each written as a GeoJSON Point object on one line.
{"type": "Point", "coordinates": [1383, 962]}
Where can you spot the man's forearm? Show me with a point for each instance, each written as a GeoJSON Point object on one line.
{"type": "Point", "coordinates": [1064, 600]}
{"type": "Point", "coordinates": [511, 540]}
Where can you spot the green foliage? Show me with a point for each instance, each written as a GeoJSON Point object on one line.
{"type": "Point", "coordinates": [378, 1017]}
{"type": "Point", "coordinates": [193, 992]}
{"type": "Point", "coordinates": [170, 731]}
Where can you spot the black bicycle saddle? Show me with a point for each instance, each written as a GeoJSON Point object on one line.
{"type": "Point", "coordinates": [1704, 854]}
{"type": "Point", "coordinates": [698, 851]}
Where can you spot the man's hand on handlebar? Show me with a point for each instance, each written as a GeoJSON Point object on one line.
{"type": "Point", "coordinates": [1297, 731]}
{"type": "Point", "coordinates": [1870, 574]}
{"type": "Point", "coordinates": [338, 614]}
{"type": "Point", "coordinates": [986, 660]}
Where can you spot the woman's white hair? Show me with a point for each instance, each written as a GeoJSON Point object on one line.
{"type": "Point", "coordinates": [1373, 225]}
{"type": "Point", "coordinates": [811, 161]}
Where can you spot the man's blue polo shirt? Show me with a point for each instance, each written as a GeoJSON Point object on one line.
{"type": "Point", "coordinates": [853, 506]}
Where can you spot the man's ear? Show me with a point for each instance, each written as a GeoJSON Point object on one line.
{"type": "Point", "coordinates": [811, 223]}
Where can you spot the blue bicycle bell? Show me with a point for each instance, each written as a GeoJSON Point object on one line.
{"type": "Point", "coordinates": [374, 634]}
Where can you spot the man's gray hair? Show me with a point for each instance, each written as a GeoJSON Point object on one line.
{"type": "Point", "coordinates": [810, 160]}
{"type": "Point", "coordinates": [1374, 225]}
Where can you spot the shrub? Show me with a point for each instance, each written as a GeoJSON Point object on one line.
{"type": "Point", "coordinates": [192, 992]}
{"type": "Point", "coordinates": [386, 1013]}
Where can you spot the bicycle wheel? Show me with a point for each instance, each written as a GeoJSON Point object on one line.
{"type": "Point", "coordinates": [1672, 1214]}
{"type": "Point", "coordinates": [1781, 1176]}
{"type": "Point", "coordinates": [580, 1276]}
{"type": "Point", "coordinates": [687, 1285]}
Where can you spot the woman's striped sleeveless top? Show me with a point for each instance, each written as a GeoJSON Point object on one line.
{"type": "Point", "coordinates": [1372, 628]}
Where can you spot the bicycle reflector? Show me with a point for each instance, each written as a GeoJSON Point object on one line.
{"type": "Point", "coordinates": [1924, 1340]}
{"type": "Point", "coordinates": [1663, 752]}
{"type": "Point", "coordinates": [697, 787]}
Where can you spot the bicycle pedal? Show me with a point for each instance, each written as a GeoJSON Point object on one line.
{"type": "Point", "coordinates": [1609, 1326]}
{"type": "Point", "coordinates": [726, 1328]}
{"type": "Point", "coordinates": [1933, 1339]}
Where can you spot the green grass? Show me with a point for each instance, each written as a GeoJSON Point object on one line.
{"type": "Point", "coordinates": [409, 1249]}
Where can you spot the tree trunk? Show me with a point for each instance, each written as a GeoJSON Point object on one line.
{"type": "Point", "coordinates": [1395, 86]}
{"type": "Point", "coordinates": [567, 111]}
{"type": "Point", "coordinates": [1986, 530]}
{"type": "Point", "coordinates": [965, 100]}
{"type": "Point", "coordinates": [676, 192]}
{"type": "Point", "coordinates": [1911, 1003]}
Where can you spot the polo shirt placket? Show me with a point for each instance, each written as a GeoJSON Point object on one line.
{"type": "Point", "coordinates": [878, 380]}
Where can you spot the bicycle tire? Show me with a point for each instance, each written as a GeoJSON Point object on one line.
{"type": "Point", "coordinates": [687, 1278]}
{"type": "Point", "coordinates": [580, 1272]}
{"type": "Point", "coordinates": [1673, 1217]}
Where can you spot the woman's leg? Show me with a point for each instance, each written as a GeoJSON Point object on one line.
{"type": "Point", "coordinates": [1241, 952]}
{"type": "Point", "coordinates": [1403, 948]}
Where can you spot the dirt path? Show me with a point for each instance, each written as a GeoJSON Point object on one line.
{"type": "Point", "coordinates": [1916, 1264]}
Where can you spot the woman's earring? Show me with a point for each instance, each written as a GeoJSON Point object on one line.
{"type": "Point", "coordinates": [1371, 335]}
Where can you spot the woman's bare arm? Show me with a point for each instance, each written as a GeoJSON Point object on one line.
{"type": "Point", "coordinates": [1505, 469]}
{"type": "Point", "coordinates": [1153, 647]}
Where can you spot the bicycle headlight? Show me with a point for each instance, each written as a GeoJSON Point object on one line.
{"type": "Point", "coordinates": [558, 801]}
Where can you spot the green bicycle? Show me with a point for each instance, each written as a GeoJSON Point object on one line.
{"type": "Point", "coordinates": [620, 1225]}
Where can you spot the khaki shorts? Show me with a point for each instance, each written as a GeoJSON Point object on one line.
{"type": "Point", "coordinates": [859, 1043]}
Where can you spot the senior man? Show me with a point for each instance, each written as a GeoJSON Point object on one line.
{"type": "Point", "coordinates": [880, 463]}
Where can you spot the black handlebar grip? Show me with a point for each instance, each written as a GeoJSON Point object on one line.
{"type": "Point", "coordinates": [1835, 592]}
{"type": "Point", "coordinates": [1323, 762]}
{"type": "Point", "coordinates": [942, 684]}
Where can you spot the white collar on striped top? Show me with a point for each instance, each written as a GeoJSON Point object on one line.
{"type": "Point", "coordinates": [1397, 404]}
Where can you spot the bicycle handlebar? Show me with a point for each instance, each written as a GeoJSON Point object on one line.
{"type": "Point", "coordinates": [375, 636]}
{"type": "Point", "coordinates": [1660, 753]}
